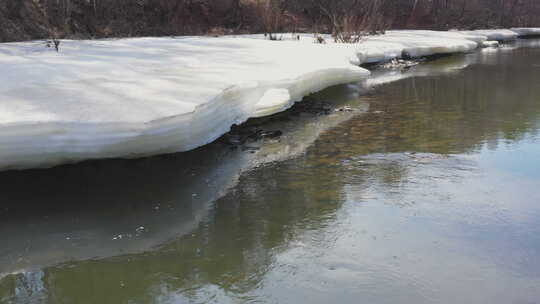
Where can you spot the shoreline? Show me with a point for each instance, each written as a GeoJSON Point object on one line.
{"type": "Point", "coordinates": [209, 172]}
{"type": "Point", "coordinates": [274, 97]}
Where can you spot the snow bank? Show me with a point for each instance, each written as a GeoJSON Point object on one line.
{"type": "Point", "coordinates": [395, 44]}
{"type": "Point", "coordinates": [490, 43]}
{"type": "Point", "coordinates": [503, 35]}
{"type": "Point", "coordinates": [416, 44]}
{"type": "Point", "coordinates": [138, 97]}
{"type": "Point", "coordinates": [498, 35]}
{"type": "Point", "coordinates": [526, 31]}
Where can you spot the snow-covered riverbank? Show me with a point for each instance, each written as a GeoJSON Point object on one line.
{"type": "Point", "coordinates": [146, 96]}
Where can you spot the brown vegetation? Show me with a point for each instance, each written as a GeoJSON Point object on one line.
{"type": "Point", "coordinates": [347, 19]}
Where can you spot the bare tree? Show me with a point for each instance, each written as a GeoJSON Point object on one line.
{"type": "Point", "coordinates": [350, 20]}
{"type": "Point", "coordinates": [272, 16]}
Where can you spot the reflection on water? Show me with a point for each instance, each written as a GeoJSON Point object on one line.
{"type": "Point", "coordinates": [108, 208]}
{"type": "Point", "coordinates": [426, 194]}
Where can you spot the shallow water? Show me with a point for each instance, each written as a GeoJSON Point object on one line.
{"type": "Point", "coordinates": [428, 191]}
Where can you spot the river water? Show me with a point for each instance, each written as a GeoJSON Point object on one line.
{"type": "Point", "coordinates": [425, 189]}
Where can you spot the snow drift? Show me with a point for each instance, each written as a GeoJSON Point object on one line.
{"type": "Point", "coordinates": [147, 96]}
{"type": "Point", "coordinates": [138, 97]}
{"type": "Point", "coordinates": [394, 44]}
{"type": "Point", "coordinates": [498, 35]}
{"type": "Point", "coordinates": [526, 31]}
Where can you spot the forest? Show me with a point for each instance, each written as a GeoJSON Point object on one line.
{"type": "Point", "coordinates": [36, 19]}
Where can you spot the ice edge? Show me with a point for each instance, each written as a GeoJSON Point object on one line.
{"type": "Point", "coordinates": [38, 144]}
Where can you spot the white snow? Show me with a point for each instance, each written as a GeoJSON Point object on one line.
{"type": "Point", "coordinates": [272, 101]}
{"type": "Point", "coordinates": [416, 44]}
{"type": "Point", "coordinates": [146, 96]}
{"type": "Point", "coordinates": [498, 34]}
{"type": "Point", "coordinates": [395, 44]}
{"type": "Point", "coordinates": [526, 31]}
{"type": "Point", "coordinates": [490, 43]}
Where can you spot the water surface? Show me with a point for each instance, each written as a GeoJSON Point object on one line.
{"type": "Point", "coordinates": [428, 191]}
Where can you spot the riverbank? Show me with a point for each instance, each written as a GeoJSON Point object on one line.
{"type": "Point", "coordinates": [359, 204]}
{"type": "Point", "coordinates": [156, 202]}
{"type": "Point", "coordinates": [139, 97]}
